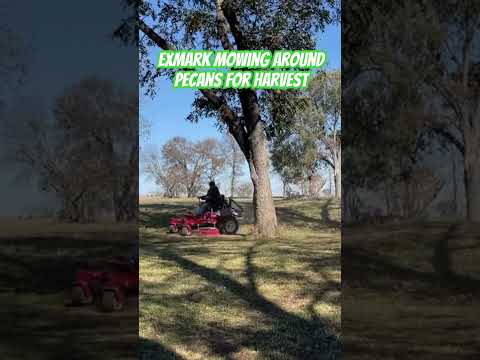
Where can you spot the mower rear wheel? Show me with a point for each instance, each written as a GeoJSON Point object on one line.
{"type": "Point", "coordinates": [110, 302]}
{"type": "Point", "coordinates": [186, 230]}
{"type": "Point", "coordinates": [229, 225]}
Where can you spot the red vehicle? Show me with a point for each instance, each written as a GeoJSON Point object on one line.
{"type": "Point", "coordinates": [213, 222]}
{"type": "Point", "coordinates": [106, 284]}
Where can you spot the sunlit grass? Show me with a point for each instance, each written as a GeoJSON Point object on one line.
{"type": "Point", "coordinates": [239, 297]}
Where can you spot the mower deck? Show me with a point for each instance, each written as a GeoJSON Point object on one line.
{"type": "Point", "coordinates": [209, 231]}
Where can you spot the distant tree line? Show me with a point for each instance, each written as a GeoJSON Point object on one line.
{"type": "Point", "coordinates": [182, 167]}
{"type": "Point", "coordinates": [302, 150]}
{"type": "Point", "coordinates": [412, 100]}
{"type": "Point", "coordinates": [85, 151]}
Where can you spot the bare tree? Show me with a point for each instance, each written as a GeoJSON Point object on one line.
{"type": "Point", "coordinates": [103, 115]}
{"type": "Point", "coordinates": [234, 161]}
{"type": "Point", "coordinates": [184, 167]}
{"type": "Point", "coordinates": [245, 189]}
{"type": "Point", "coordinates": [446, 62]}
{"type": "Point", "coordinates": [87, 154]}
{"type": "Point", "coordinates": [61, 166]}
{"type": "Point", "coordinates": [312, 185]}
{"type": "Point", "coordinates": [168, 178]}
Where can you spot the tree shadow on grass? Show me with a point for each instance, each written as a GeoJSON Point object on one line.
{"type": "Point", "coordinates": [432, 287]}
{"type": "Point", "coordinates": [426, 280]}
{"type": "Point", "coordinates": [325, 211]}
{"type": "Point", "coordinates": [293, 217]}
{"type": "Point", "coordinates": [52, 333]}
{"type": "Point", "coordinates": [296, 337]}
{"type": "Point", "coordinates": [365, 266]}
{"type": "Point", "coordinates": [280, 334]}
{"type": "Point", "coordinates": [153, 350]}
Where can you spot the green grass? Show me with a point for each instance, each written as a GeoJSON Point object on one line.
{"type": "Point", "coordinates": [239, 297]}
{"type": "Point", "coordinates": [410, 291]}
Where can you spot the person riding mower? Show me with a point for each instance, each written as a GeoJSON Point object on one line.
{"type": "Point", "coordinates": [213, 199]}
{"type": "Point", "coordinates": [214, 216]}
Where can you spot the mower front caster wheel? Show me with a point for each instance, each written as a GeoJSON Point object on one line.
{"type": "Point", "coordinates": [186, 231]}
{"type": "Point", "coordinates": [78, 297]}
{"type": "Point", "coordinates": [109, 302]}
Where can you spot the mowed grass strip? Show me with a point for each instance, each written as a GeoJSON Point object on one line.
{"type": "Point", "coordinates": [238, 297]}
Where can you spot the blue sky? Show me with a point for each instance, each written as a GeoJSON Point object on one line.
{"type": "Point", "coordinates": [168, 110]}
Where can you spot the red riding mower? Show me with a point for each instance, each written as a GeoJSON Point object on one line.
{"type": "Point", "coordinates": [106, 283]}
{"type": "Point", "coordinates": [213, 222]}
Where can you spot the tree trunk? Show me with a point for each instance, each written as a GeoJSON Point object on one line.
{"type": "Point", "coordinates": [388, 206]}
{"type": "Point", "coordinates": [330, 180]}
{"type": "Point", "coordinates": [455, 186]}
{"type": "Point", "coordinates": [264, 208]}
{"type": "Point", "coordinates": [126, 190]}
{"type": "Point", "coordinates": [471, 159]}
{"type": "Point", "coordinates": [311, 183]}
{"type": "Point", "coordinates": [232, 181]}
{"type": "Point", "coordinates": [472, 180]}
{"type": "Point", "coordinates": [337, 173]}
{"type": "Point", "coordinates": [338, 182]}
{"type": "Point", "coordinates": [72, 211]}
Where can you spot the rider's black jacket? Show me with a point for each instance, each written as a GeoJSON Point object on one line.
{"type": "Point", "coordinates": [214, 197]}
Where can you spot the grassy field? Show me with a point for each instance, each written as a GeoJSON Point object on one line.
{"type": "Point", "coordinates": [237, 297]}
{"type": "Point", "coordinates": [38, 259]}
{"type": "Point", "coordinates": [410, 291]}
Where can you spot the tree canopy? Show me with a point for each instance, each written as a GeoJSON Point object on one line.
{"type": "Point", "coordinates": [311, 138]}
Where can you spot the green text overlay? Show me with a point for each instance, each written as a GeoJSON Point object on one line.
{"type": "Point", "coordinates": [257, 69]}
